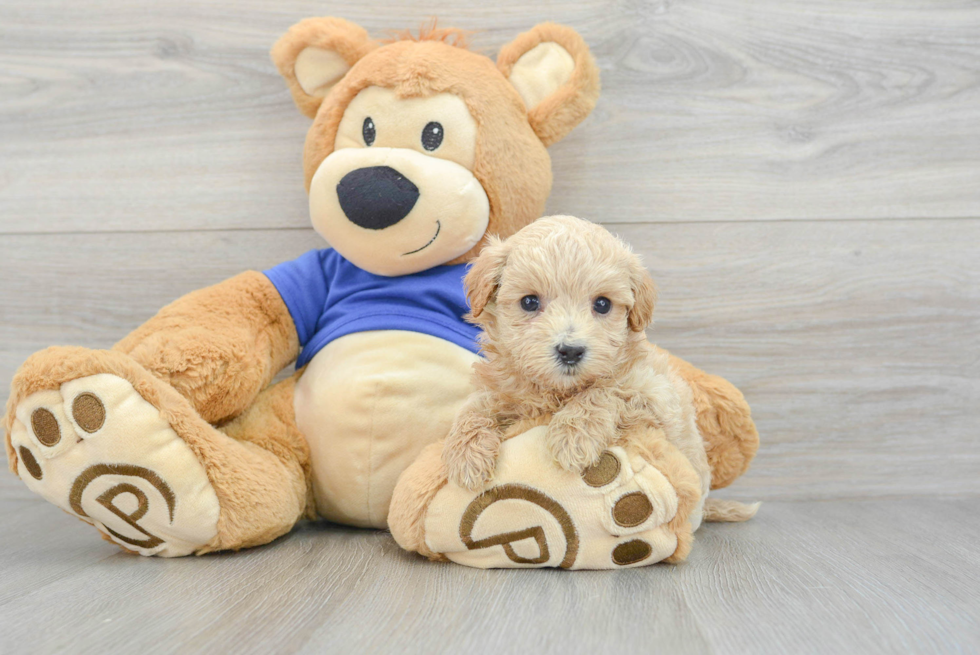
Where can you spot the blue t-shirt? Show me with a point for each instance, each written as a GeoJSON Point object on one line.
{"type": "Point", "coordinates": [328, 297]}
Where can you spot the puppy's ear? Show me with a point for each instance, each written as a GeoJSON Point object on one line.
{"type": "Point", "coordinates": [554, 72]}
{"type": "Point", "coordinates": [315, 54]}
{"type": "Point", "coordinates": [644, 296]}
{"type": "Point", "coordinates": [483, 278]}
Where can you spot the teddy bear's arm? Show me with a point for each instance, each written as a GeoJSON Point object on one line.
{"type": "Point", "coordinates": [724, 421]}
{"type": "Point", "coordinates": [218, 346]}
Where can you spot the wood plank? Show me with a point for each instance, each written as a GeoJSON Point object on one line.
{"type": "Point", "coordinates": [804, 577]}
{"type": "Point", "coordinates": [42, 545]}
{"type": "Point", "coordinates": [856, 342]}
{"type": "Point", "coordinates": [166, 114]}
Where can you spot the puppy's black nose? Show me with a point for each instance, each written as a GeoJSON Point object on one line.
{"type": "Point", "coordinates": [376, 197]}
{"type": "Point", "coordinates": [569, 354]}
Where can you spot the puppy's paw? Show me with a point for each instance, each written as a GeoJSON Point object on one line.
{"type": "Point", "coordinates": [573, 447]}
{"type": "Point", "coordinates": [470, 463]}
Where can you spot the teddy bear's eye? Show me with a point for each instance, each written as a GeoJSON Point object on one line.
{"type": "Point", "coordinates": [368, 131]}
{"type": "Point", "coordinates": [432, 136]}
{"type": "Point", "coordinates": [601, 305]}
{"type": "Point", "coordinates": [530, 303]}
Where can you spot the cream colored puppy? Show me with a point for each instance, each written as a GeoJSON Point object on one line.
{"type": "Point", "coordinates": [564, 306]}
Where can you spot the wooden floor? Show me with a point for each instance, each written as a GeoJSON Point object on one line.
{"type": "Point", "coordinates": [802, 177]}
{"type": "Point", "coordinates": [896, 576]}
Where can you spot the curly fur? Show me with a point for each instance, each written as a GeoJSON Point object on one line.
{"type": "Point", "coordinates": [622, 384]}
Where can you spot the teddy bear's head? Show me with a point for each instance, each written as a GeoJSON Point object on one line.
{"type": "Point", "coordinates": [420, 148]}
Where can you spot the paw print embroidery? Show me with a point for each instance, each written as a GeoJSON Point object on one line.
{"type": "Point", "coordinates": [96, 448]}
{"type": "Point", "coordinates": [628, 510]}
{"type": "Point", "coordinates": [615, 514]}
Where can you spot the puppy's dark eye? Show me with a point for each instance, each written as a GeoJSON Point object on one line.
{"type": "Point", "coordinates": [602, 305]}
{"type": "Point", "coordinates": [368, 131]}
{"type": "Point", "coordinates": [432, 136]}
{"type": "Point", "coordinates": [530, 303]}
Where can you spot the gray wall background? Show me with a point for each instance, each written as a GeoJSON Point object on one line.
{"type": "Point", "coordinates": [801, 176]}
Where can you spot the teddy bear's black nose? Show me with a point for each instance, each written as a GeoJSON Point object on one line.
{"type": "Point", "coordinates": [569, 354]}
{"type": "Point", "coordinates": [376, 197]}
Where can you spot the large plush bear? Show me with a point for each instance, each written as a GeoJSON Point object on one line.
{"type": "Point", "coordinates": [175, 442]}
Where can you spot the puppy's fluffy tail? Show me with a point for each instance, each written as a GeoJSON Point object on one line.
{"type": "Point", "coordinates": [717, 510]}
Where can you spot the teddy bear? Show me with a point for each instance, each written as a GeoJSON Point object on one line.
{"type": "Point", "coordinates": [177, 442]}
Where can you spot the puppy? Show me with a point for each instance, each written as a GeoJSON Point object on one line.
{"type": "Point", "coordinates": [564, 306]}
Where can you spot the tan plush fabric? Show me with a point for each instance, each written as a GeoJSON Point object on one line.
{"type": "Point", "coordinates": [261, 492]}
{"type": "Point", "coordinates": [350, 41]}
{"type": "Point", "coordinates": [725, 423]}
{"type": "Point", "coordinates": [411, 497]}
{"type": "Point", "coordinates": [219, 346]}
{"type": "Point", "coordinates": [555, 116]}
{"type": "Point", "coordinates": [276, 471]}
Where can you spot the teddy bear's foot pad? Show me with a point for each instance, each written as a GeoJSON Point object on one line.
{"type": "Point", "coordinates": [535, 514]}
{"type": "Point", "coordinates": [95, 448]}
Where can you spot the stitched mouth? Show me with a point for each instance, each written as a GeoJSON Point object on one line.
{"type": "Point", "coordinates": [434, 236]}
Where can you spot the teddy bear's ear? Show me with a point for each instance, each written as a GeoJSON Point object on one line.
{"type": "Point", "coordinates": [554, 72]}
{"type": "Point", "coordinates": [644, 296]}
{"type": "Point", "coordinates": [483, 278]}
{"type": "Point", "coordinates": [315, 54]}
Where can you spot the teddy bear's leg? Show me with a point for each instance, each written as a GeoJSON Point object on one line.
{"type": "Point", "coordinates": [414, 491]}
{"type": "Point", "coordinates": [104, 439]}
{"type": "Point", "coordinates": [268, 427]}
{"type": "Point", "coordinates": [724, 420]}
{"type": "Point", "coordinates": [659, 453]}
{"type": "Point", "coordinates": [219, 347]}
{"type": "Point", "coordinates": [634, 507]}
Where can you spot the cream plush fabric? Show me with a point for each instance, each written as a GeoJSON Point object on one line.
{"type": "Point", "coordinates": [118, 465]}
{"type": "Point", "coordinates": [536, 514]}
{"type": "Point", "coordinates": [355, 425]}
